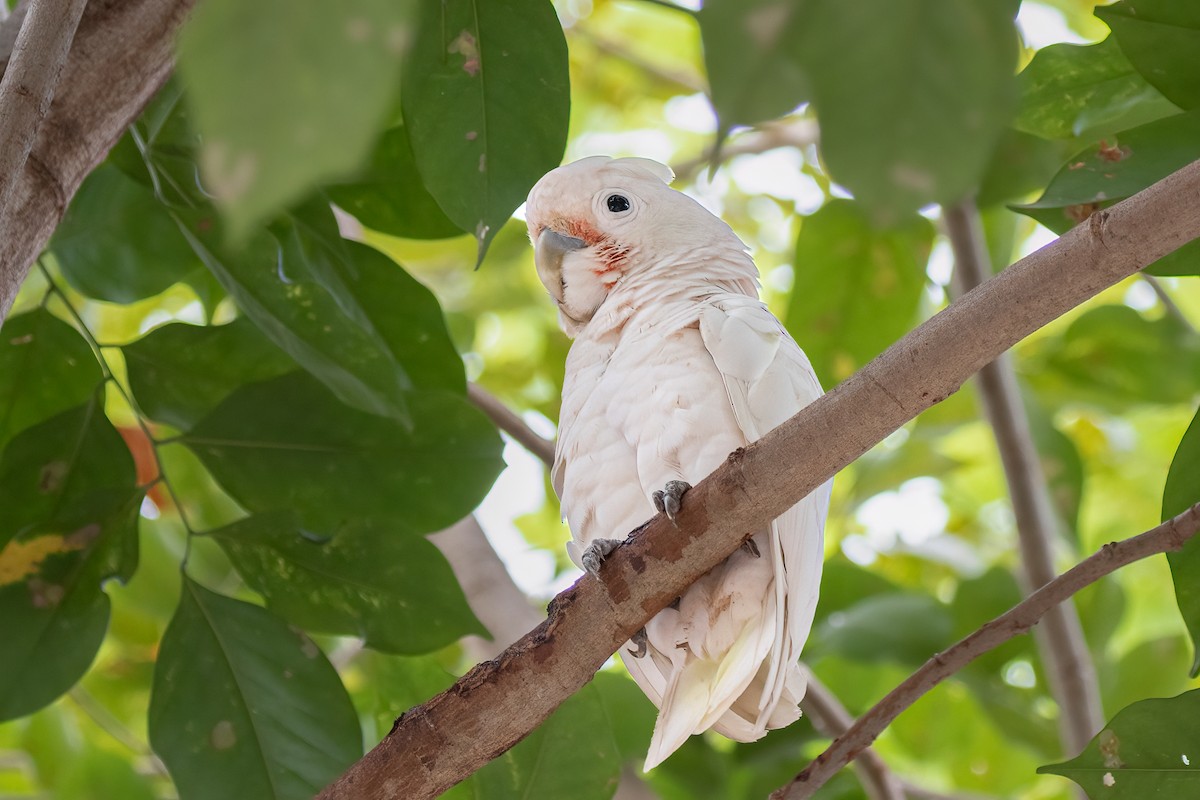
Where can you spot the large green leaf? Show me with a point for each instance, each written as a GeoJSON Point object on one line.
{"type": "Point", "coordinates": [377, 581]}
{"type": "Point", "coordinates": [856, 288]}
{"type": "Point", "coordinates": [45, 367]}
{"type": "Point", "coordinates": [178, 373]}
{"type": "Point", "coordinates": [1148, 750]}
{"type": "Point", "coordinates": [1181, 492]}
{"type": "Point", "coordinates": [244, 706]}
{"type": "Point", "coordinates": [288, 94]}
{"type": "Point", "coordinates": [486, 100]}
{"type": "Point", "coordinates": [344, 311]}
{"type": "Point", "coordinates": [287, 443]}
{"type": "Point", "coordinates": [117, 242]}
{"type": "Point", "coordinates": [1071, 90]}
{"type": "Point", "coordinates": [1113, 356]}
{"type": "Point", "coordinates": [912, 95]}
{"type": "Point", "coordinates": [67, 524]}
{"type": "Point", "coordinates": [904, 627]}
{"type": "Point", "coordinates": [571, 754]}
{"type": "Point", "coordinates": [1113, 170]}
{"type": "Point", "coordinates": [388, 195]}
{"type": "Point", "coordinates": [1162, 39]}
{"type": "Point", "coordinates": [752, 54]}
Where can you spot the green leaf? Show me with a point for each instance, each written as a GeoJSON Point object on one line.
{"type": "Point", "coordinates": [912, 96]}
{"type": "Point", "coordinates": [1021, 165]}
{"type": "Point", "coordinates": [346, 312]}
{"type": "Point", "coordinates": [388, 196]}
{"type": "Point", "coordinates": [856, 289]}
{"type": "Point", "coordinates": [118, 243]}
{"type": "Point", "coordinates": [1113, 356]}
{"type": "Point", "coordinates": [286, 95]}
{"type": "Point", "coordinates": [244, 706]}
{"type": "Point", "coordinates": [379, 582]}
{"type": "Point", "coordinates": [630, 714]}
{"type": "Point", "coordinates": [1181, 492]}
{"type": "Point", "coordinates": [68, 523]}
{"type": "Point", "coordinates": [1071, 90]}
{"type": "Point", "coordinates": [46, 367]}
{"type": "Point", "coordinates": [178, 373]}
{"type": "Point", "coordinates": [486, 100]}
{"type": "Point", "coordinates": [571, 754]}
{"type": "Point", "coordinates": [904, 627]}
{"type": "Point", "coordinates": [752, 55]}
{"type": "Point", "coordinates": [1147, 750]}
{"type": "Point", "coordinates": [1108, 172]}
{"type": "Point", "coordinates": [287, 443]}
{"type": "Point", "coordinates": [1162, 39]}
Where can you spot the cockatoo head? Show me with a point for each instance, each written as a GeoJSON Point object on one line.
{"type": "Point", "coordinates": [600, 222]}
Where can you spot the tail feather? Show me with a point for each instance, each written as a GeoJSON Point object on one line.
{"type": "Point", "coordinates": [701, 690]}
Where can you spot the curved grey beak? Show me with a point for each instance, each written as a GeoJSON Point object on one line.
{"type": "Point", "coordinates": [549, 251]}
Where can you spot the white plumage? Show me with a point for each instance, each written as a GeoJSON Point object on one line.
{"type": "Point", "coordinates": [675, 364]}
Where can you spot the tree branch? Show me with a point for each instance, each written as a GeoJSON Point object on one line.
{"type": "Point", "coordinates": [37, 59]}
{"type": "Point", "coordinates": [797, 132]}
{"type": "Point", "coordinates": [497, 703]}
{"type": "Point", "coordinates": [1172, 308]}
{"type": "Point", "coordinates": [511, 424]}
{"type": "Point", "coordinates": [121, 54]}
{"type": "Point", "coordinates": [1171, 535]}
{"type": "Point", "coordinates": [1060, 640]}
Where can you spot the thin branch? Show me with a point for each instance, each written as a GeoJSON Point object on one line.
{"type": "Point", "coordinates": [798, 132]}
{"type": "Point", "coordinates": [1070, 671]}
{"type": "Point", "coordinates": [1169, 536]}
{"type": "Point", "coordinates": [27, 88]}
{"type": "Point", "coordinates": [831, 719]}
{"type": "Point", "coordinates": [1168, 303]}
{"type": "Point", "coordinates": [511, 424]}
{"type": "Point", "coordinates": [496, 704]}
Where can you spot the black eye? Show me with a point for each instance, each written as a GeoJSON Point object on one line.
{"type": "Point", "coordinates": [617, 203]}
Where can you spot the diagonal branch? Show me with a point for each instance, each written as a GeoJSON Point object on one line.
{"type": "Point", "coordinates": [1169, 536]}
{"type": "Point", "coordinates": [38, 55]}
{"type": "Point", "coordinates": [504, 419]}
{"type": "Point", "coordinates": [497, 703]}
{"type": "Point", "coordinates": [1069, 667]}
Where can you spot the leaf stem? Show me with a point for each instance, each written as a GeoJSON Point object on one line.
{"type": "Point", "coordinates": [142, 422]}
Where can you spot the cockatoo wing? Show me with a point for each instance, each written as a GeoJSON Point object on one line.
{"type": "Point", "coordinates": [768, 379]}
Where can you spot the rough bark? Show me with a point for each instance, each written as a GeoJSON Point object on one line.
{"type": "Point", "coordinates": [498, 702]}
{"type": "Point", "coordinates": [122, 53]}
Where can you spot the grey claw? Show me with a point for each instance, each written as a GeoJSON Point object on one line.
{"type": "Point", "coordinates": [595, 554]}
{"type": "Point", "coordinates": [668, 500]}
{"type": "Point", "coordinates": [640, 640]}
{"type": "Point", "coordinates": [751, 547]}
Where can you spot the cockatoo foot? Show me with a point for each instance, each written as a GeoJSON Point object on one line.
{"type": "Point", "coordinates": [668, 500]}
{"type": "Point", "coordinates": [595, 554]}
{"type": "Point", "coordinates": [751, 547]}
{"type": "Point", "coordinates": [641, 641]}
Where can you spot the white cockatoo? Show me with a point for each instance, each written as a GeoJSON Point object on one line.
{"type": "Point", "coordinates": [675, 364]}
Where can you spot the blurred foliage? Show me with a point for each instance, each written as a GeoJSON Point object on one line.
{"type": "Point", "coordinates": [232, 396]}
